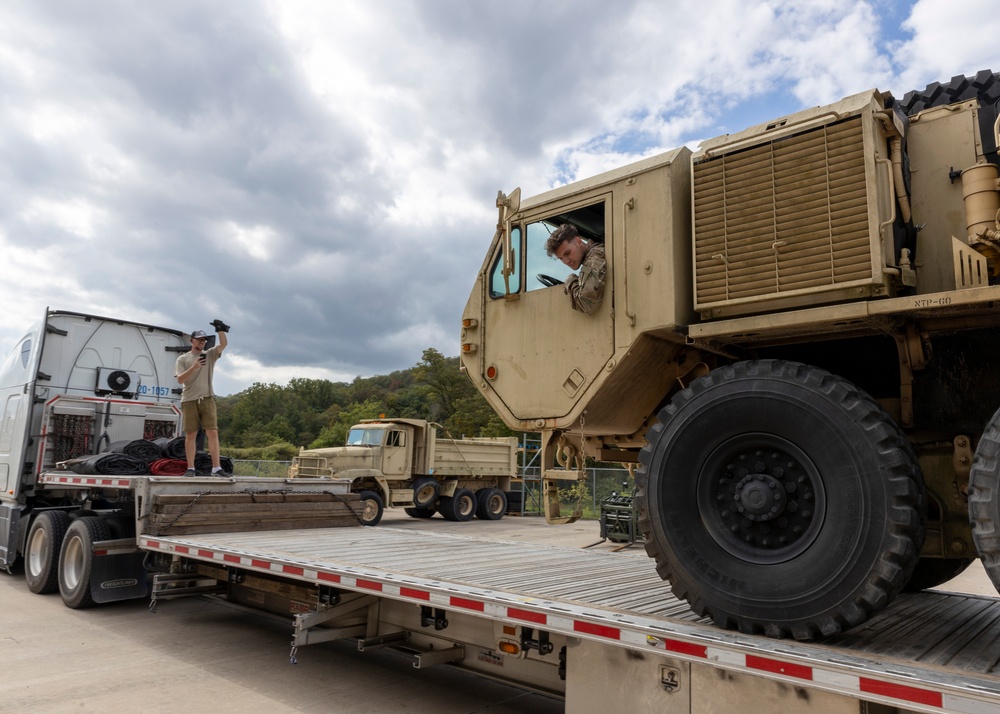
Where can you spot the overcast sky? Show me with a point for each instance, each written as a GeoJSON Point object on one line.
{"type": "Point", "coordinates": [322, 175]}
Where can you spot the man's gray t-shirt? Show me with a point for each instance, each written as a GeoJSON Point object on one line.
{"type": "Point", "coordinates": [201, 385]}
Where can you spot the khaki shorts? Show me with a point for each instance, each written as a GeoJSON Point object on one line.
{"type": "Point", "coordinates": [199, 414]}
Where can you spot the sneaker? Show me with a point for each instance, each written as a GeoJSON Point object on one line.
{"type": "Point", "coordinates": [219, 471]}
{"type": "Point", "coordinates": [190, 472]}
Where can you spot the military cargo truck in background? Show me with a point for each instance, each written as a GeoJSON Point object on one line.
{"type": "Point", "coordinates": [797, 346]}
{"type": "Point", "coordinates": [402, 462]}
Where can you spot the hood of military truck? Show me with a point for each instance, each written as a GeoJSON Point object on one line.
{"type": "Point", "coordinates": [341, 458]}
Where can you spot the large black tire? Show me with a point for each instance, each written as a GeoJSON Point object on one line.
{"type": "Point", "coordinates": [931, 572]}
{"type": "Point", "coordinates": [491, 504]}
{"type": "Point", "coordinates": [781, 500]}
{"type": "Point", "coordinates": [984, 86]}
{"type": "Point", "coordinates": [984, 499]}
{"type": "Point", "coordinates": [76, 561]}
{"type": "Point", "coordinates": [41, 557]}
{"type": "Point", "coordinates": [425, 491]}
{"type": "Point", "coordinates": [460, 507]}
{"type": "Point", "coordinates": [373, 508]}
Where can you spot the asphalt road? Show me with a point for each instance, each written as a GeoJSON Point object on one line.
{"type": "Point", "coordinates": [194, 655]}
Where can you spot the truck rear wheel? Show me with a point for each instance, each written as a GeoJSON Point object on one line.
{"type": "Point", "coordinates": [984, 499]}
{"type": "Point", "coordinates": [491, 504]}
{"type": "Point", "coordinates": [779, 499]}
{"type": "Point", "coordinates": [373, 508]}
{"type": "Point", "coordinates": [460, 507]}
{"type": "Point", "coordinates": [41, 561]}
{"type": "Point", "coordinates": [76, 562]}
{"type": "Point", "coordinates": [425, 491]}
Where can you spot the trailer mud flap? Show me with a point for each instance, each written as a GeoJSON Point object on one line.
{"type": "Point", "coordinates": [118, 576]}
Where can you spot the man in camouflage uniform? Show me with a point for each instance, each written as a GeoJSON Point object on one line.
{"type": "Point", "coordinates": [586, 289]}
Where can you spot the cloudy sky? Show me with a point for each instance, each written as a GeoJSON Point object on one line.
{"type": "Point", "coordinates": [322, 174]}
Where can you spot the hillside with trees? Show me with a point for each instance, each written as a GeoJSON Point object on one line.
{"type": "Point", "coordinates": [270, 421]}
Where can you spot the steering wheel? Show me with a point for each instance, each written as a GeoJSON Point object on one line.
{"type": "Point", "coordinates": [547, 280]}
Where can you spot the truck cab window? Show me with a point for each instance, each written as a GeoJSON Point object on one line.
{"type": "Point", "coordinates": [588, 220]}
{"type": "Point", "coordinates": [395, 438]}
{"type": "Point", "coordinates": [365, 437]}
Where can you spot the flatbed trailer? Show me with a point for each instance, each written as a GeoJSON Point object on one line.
{"type": "Point", "coordinates": [597, 628]}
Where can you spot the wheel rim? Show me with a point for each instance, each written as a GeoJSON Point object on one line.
{"type": "Point", "coordinates": [425, 495]}
{"type": "Point", "coordinates": [466, 505]}
{"type": "Point", "coordinates": [73, 562]}
{"type": "Point", "coordinates": [371, 510]}
{"type": "Point", "coordinates": [37, 549]}
{"type": "Point", "coordinates": [495, 504]}
{"type": "Point", "coordinates": [763, 498]}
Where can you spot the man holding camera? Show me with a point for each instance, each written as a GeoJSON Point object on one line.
{"type": "Point", "coordinates": [194, 371]}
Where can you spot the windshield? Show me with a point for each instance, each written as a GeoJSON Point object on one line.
{"type": "Point", "coordinates": [365, 437]}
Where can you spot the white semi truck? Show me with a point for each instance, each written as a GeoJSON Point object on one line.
{"type": "Point", "coordinates": [73, 386]}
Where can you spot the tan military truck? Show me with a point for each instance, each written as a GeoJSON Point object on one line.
{"type": "Point", "coordinates": [797, 345]}
{"type": "Point", "coordinates": [402, 462]}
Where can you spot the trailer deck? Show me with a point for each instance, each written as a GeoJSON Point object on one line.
{"type": "Point", "coordinates": [929, 651]}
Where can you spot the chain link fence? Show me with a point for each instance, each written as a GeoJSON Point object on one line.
{"type": "Point", "coordinates": [600, 484]}
{"type": "Point", "coordinates": [261, 469]}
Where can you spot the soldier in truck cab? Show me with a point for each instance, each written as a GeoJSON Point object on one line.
{"type": "Point", "coordinates": [585, 289]}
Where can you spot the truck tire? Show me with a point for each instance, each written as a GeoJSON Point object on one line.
{"type": "Point", "coordinates": [76, 562]}
{"type": "Point", "coordinates": [984, 86]}
{"type": "Point", "coordinates": [419, 512]}
{"type": "Point", "coordinates": [491, 504]}
{"type": "Point", "coordinates": [781, 500]}
{"type": "Point", "coordinates": [425, 491]}
{"type": "Point", "coordinates": [984, 499]}
{"type": "Point", "coordinates": [41, 558]}
{"type": "Point", "coordinates": [460, 507]}
{"type": "Point", "coordinates": [931, 572]}
{"type": "Point", "coordinates": [373, 508]}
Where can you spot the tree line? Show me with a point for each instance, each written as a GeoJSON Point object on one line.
{"type": "Point", "coordinates": [270, 421]}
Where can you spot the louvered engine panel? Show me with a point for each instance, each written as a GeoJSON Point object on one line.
{"type": "Point", "coordinates": [788, 217]}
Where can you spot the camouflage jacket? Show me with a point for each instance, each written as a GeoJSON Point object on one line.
{"type": "Point", "coordinates": [586, 289]}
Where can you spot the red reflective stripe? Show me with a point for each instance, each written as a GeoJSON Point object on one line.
{"type": "Point", "coordinates": [772, 665]}
{"type": "Point", "coordinates": [179, 549]}
{"type": "Point", "coordinates": [153, 544]}
{"type": "Point", "coordinates": [205, 553]}
{"type": "Point", "coordinates": [903, 692]}
{"type": "Point", "coordinates": [332, 577]}
{"type": "Point", "coordinates": [292, 570]}
{"type": "Point", "coordinates": [415, 594]}
{"type": "Point", "coordinates": [100, 552]}
{"type": "Point", "coordinates": [468, 604]}
{"type": "Point", "coordinates": [612, 633]}
{"type": "Point", "coordinates": [260, 564]}
{"type": "Point", "coordinates": [370, 585]}
{"type": "Point", "coordinates": [538, 617]}
{"type": "Point", "coordinates": [230, 558]}
{"type": "Point", "coordinates": [686, 648]}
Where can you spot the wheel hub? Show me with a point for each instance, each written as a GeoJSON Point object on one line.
{"type": "Point", "coordinates": [759, 497]}
{"type": "Point", "coordinates": [765, 494]}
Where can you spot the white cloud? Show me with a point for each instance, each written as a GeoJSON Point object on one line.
{"type": "Point", "coordinates": [322, 176]}
{"type": "Point", "coordinates": [950, 37]}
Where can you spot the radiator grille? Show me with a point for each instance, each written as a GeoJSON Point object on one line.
{"type": "Point", "coordinates": [790, 215]}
